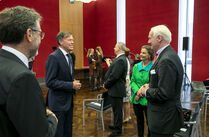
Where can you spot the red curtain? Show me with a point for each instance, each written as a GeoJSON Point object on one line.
{"type": "Point", "coordinates": [141, 15]}
{"type": "Point", "coordinates": [99, 20]}
{"type": "Point", "coordinates": [200, 63]}
{"type": "Point", "coordinates": [49, 10]}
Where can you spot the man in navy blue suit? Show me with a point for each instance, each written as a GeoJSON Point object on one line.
{"type": "Point", "coordinates": [61, 83]}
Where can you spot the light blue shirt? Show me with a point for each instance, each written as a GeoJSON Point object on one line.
{"type": "Point", "coordinates": [160, 50]}
{"type": "Point", "coordinates": [20, 55]}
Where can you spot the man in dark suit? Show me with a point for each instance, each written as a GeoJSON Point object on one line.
{"type": "Point", "coordinates": [61, 83]}
{"type": "Point", "coordinates": [22, 109]}
{"type": "Point", "coordinates": [115, 79]}
{"type": "Point", "coordinates": [165, 116]}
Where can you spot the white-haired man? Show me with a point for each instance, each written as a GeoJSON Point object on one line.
{"type": "Point", "coordinates": [164, 110]}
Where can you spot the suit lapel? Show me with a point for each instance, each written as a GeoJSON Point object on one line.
{"type": "Point", "coordinates": [63, 59]}
{"type": "Point", "coordinates": [11, 56]}
{"type": "Point", "coordinates": [161, 54]}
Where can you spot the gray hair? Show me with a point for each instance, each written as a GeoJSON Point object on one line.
{"type": "Point", "coordinates": [163, 31]}
{"type": "Point", "coordinates": [122, 46]}
{"type": "Point", "coordinates": [14, 23]}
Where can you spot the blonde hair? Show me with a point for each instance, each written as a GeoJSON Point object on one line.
{"type": "Point", "coordinates": [127, 52]}
{"type": "Point", "coordinates": [89, 52]}
{"type": "Point", "coordinates": [99, 49]}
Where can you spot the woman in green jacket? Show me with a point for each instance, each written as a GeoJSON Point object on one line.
{"type": "Point", "coordinates": [140, 76]}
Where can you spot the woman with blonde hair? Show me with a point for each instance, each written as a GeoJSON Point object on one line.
{"type": "Point", "coordinates": [90, 56]}
{"type": "Point", "coordinates": [126, 100]}
{"type": "Point", "coordinates": [99, 70]}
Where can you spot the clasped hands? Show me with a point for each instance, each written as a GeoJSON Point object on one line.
{"type": "Point", "coordinates": [141, 92]}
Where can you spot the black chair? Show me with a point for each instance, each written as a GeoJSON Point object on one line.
{"type": "Point", "coordinates": [100, 104]}
{"type": "Point", "coordinates": [206, 94]}
{"type": "Point", "coordinates": [193, 128]}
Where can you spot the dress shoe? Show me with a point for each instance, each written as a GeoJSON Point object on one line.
{"type": "Point", "coordinates": [112, 127]}
{"type": "Point", "coordinates": [115, 134]}
{"type": "Point", "coordinates": [126, 120]}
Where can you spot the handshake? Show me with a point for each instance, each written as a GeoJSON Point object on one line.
{"type": "Point", "coordinates": [141, 92]}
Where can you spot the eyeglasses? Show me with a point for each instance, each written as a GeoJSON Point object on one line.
{"type": "Point", "coordinates": [41, 33]}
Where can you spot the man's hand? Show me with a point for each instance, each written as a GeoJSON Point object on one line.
{"type": "Point", "coordinates": [49, 112]}
{"type": "Point", "coordinates": [76, 84]}
{"type": "Point", "coordinates": [108, 61]}
{"type": "Point", "coordinates": [143, 89]}
{"type": "Point", "coordinates": [103, 86]}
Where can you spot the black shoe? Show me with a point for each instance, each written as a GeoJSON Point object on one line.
{"type": "Point", "coordinates": [115, 134]}
{"type": "Point", "coordinates": [112, 127]}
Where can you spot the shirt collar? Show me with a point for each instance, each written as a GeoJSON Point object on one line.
{"type": "Point", "coordinates": [20, 55]}
{"type": "Point", "coordinates": [147, 68]}
{"type": "Point", "coordinates": [119, 55]}
{"type": "Point", "coordinates": [161, 49]}
{"type": "Point", "coordinates": [63, 51]}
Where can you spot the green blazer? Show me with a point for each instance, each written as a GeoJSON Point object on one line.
{"type": "Point", "coordinates": [140, 76]}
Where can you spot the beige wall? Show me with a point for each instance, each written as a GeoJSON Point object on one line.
{"type": "Point", "coordinates": [71, 19]}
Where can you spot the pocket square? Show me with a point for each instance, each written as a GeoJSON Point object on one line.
{"type": "Point", "coordinates": [152, 71]}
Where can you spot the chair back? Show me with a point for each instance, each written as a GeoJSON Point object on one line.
{"type": "Point", "coordinates": [106, 100]}
{"type": "Point", "coordinates": [206, 83]}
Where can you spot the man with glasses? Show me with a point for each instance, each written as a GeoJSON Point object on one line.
{"type": "Point", "coordinates": [22, 108]}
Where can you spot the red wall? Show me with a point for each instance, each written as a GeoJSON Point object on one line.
{"type": "Point", "coordinates": [200, 59]}
{"type": "Point", "coordinates": [100, 28]}
{"type": "Point", "coordinates": [141, 15]}
{"type": "Point", "coordinates": [49, 10]}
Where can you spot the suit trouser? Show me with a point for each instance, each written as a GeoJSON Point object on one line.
{"type": "Point", "coordinates": [117, 107]}
{"type": "Point", "coordinates": [65, 119]}
{"type": "Point", "coordinates": [138, 110]}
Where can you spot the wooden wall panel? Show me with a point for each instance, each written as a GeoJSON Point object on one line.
{"type": "Point", "coordinates": [71, 19]}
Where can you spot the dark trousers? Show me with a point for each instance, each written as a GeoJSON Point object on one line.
{"type": "Point", "coordinates": [138, 110]}
{"type": "Point", "coordinates": [65, 119]}
{"type": "Point", "coordinates": [160, 135]}
{"type": "Point", "coordinates": [117, 107]}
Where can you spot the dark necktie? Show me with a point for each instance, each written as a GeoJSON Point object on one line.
{"type": "Point", "coordinates": [70, 63]}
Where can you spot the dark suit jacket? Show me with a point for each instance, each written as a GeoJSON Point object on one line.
{"type": "Point", "coordinates": [59, 81]}
{"type": "Point", "coordinates": [164, 107]}
{"type": "Point", "coordinates": [22, 108]}
{"type": "Point", "coordinates": [115, 77]}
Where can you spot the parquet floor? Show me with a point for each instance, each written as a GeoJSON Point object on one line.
{"type": "Point", "coordinates": [93, 127]}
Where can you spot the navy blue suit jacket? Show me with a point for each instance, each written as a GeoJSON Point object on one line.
{"type": "Point", "coordinates": [59, 80]}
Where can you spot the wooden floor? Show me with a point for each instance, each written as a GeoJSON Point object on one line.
{"type": "Point", "coordinates": [93, 127]}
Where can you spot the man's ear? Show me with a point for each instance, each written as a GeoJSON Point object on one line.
{"type": "Point", "coordinates": [159, 38]}
{"type": "Point", "coordinates": [60, 41]}
{"type": "Point", "coordinates": [29, 35]}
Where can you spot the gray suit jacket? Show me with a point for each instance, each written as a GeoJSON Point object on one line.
{"type": "Point", "coordinates": [115, 77]}
{"type": "Point", "coordinates": [22, 108]}
{"type": "Point", "coordinates": [164, 107]}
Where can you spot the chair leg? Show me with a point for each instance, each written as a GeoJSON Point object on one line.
{"type": "Point", "coordinates": [206, 103]}
{"type": "Point", "coordinates": [97, 115]}
{"type": "Point", "coordinates": [200, 128]}
{"type": "Point", "coordinates": [102, 121]}
{"type": "Point", "coordinates": [83, 114]}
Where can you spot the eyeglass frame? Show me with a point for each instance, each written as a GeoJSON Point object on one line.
{"type": "Point", "coordinates": [41, 32]}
